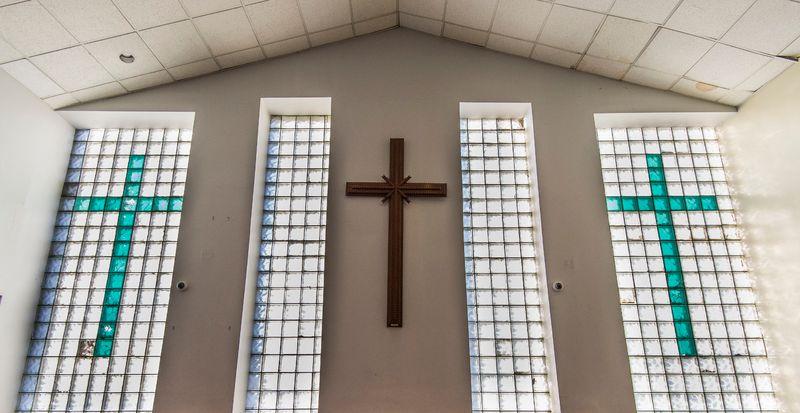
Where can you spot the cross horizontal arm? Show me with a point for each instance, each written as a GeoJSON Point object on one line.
{"type": "Point", "coordinates": [422, 189]}
{"type": "Point", "coordinates": [368, 188]}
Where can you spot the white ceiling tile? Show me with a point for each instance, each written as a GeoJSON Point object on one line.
{"type": "Point", "coordinates": [201, 7]}
{"type": "Point", "coordinates": [726, 66]}
{"type": "Point", "coordinates": [144, 14]}
{"type": "Point", "coordinates": [735, 97]}
{"type": "Point", "coordinates": [522, 19]}
{"type": "Point", "coordinates": [227, 31]}
{"type": "Point", "coordinates": [7, 52]}
{"type": "Point", "coordinates": [594, 5]}
{"type": "Point", "coordinates": [324, 14]}
{"type": "Point", "coordinates": [793, 49]}
{"type": "Point", "coordinates": [476, 14]}
{"type": "Point", "coordinates": [176, 44]}
{"type": "Point", "coordinates": [60, 101]}
{"type": "Point", "coordinates": [775, 67]}
{"type": "Point", "coordinates": [421, 24]}
{"type": "Point", "coordinates": [285, 47]}
{"type": "Point", "coordinates": [331, 35]}
{"type": "Point", "coordinates": [433, 9]}
{"type": "Point", "coordinates": [570, 29]}
{"type": "Point", "coordinates": [651, 78]}
{"type": "Point", "coordinates": [194, 69]}
{"type": "Point", "coordinates": [769, 26]}
{"type": "Point", "coordinates": [32, 30]}
{"type": "Point", "coordinates": [655, 11]}
{"type": "Point", "coordinates": [673, 52]}
{"type": "Point", "coordinates": [73, 68]}
{"type": "Point", "coordinates": [99, 92]}
{"type": "Point", "coordinates": [603, 67]}
{"type": "Point", "coordinates": [241, 57]}
{"type": "Point", "coordinates": [367, 9]}
{"type": "Point", "coordinates": [465, 34]}
{"type": "Point", "coordinates": [276, 20]}
{"type": "Point", "coordinates": [709, 18]}
{"type": "Point", "coordinates": [700, 90]}
{"type": "Point", "coordinates": [32, 78]}
{"type": "Point", "coordinates": [376, 24]}
{"type": "Point", "coordinates": [555, 56]}
{"type": "Point", "coordinates": [89, 20]}
{"type": "Point", "coordinates": [107, 53]}
{"type": "Point", "coordinates": [149, 80]}
{"type": "Point", "coordinates": [509, 45]}
{"type": "Point", "coordinates": [621, 39]}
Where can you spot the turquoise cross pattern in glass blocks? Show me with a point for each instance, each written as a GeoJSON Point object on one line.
{"type": "Point", "coordinates": [662, 204]}
{"type": "Point", "coordinates": [128, 205]}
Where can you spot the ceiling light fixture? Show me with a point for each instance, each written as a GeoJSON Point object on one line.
{"type": "Point", "coordinates": [126, 58]}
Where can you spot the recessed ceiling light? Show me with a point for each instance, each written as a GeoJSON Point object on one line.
{"type": "Point", "coordinates": [127, 58]}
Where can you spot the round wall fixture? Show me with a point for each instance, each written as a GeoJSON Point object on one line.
{"type": "Point", "coordinates": [127, 58]}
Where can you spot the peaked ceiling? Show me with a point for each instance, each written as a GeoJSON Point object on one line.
{"type": "Point", "coordinates": [67, 51]}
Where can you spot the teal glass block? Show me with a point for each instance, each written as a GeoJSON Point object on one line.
{"type": "Point", "coordinates": [145, 204]}
{"type": "Point", "coordinates": [658, 189]}
{"type": "Point", "coordinates": [82, 203]}
{"type": "Point", "coordinates": [680, 313]}
{"type": "Point", "coordinates": [160, 204]}
{"type": "Point", "coordinates": [122, 249]}
{"type": "Point", "coordinates": [126, 219]}
{"type": "Point", "coordinates": [672, 264]}
{"type": "Point", "coordinates": [115, 280]}
{"type": "Point", "coordinates": [629, 203]}
{"type": "Point", "coordinates": [654, 161]}
{"type": "Point", "coordinates": [677, 296]}
{"type": "Point", "coordinates": [129, 204]}
{"type": "Point", "coordinates": [136, 162]}
{"type": "Point", "coordinates": [175, 203]}
{"type": "Point", "coordinates": [134, 175]}
{"type": "Point", "coordinates": [113, 203]}
{"type": "Point", "coordinates": [124, 234]}
{"type": "Point", "coordinates": [656, 175]}
{"type": "Point", "coordinates": [709, 203]}
{"type": "Point", "coordinates": [109, 314]}
{"type": "Point", "coordinates": [132, 189]}
{"type": "Point", "coordinates": [686, 348]}
{"type": "Point", "coordinates": [693, 203]}
{"type": "Point", "coordinates": [97, 204]}
{"type": "Point", "coordinates": [106, 330]}
{"type": "Point", "coordinates": [645, 203]}
{"type": "Point", "coordinates": [675, 280]}
{"type": "Point", "coordinates": [112, 297]}
{"type": "Point", "coordinates": [669, 248]}
{"type": "Point", "coordinates": [119, 264]}
{"type": "Point", "coordinates": [677, 203]}
{"type": "Point", "coordinates": [661, 203]}
{"type": "Point", "coordinates": [663, 218]}
{"type": "Point", "coordinates": [666, 233]}
{"type": "Point", "coordinates": [614, 203]}
{"type": "Point", "coordinates": [103, 348]}
{"type": "Point", "coordinates": [683, 330]}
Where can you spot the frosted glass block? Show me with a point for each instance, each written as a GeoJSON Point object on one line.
{"type": "Point", "coordinates": [503, 308]}
{"type": "Point", "coordinates": [675, 245]}
{"type": "Point", "coordinates": [104, 307]}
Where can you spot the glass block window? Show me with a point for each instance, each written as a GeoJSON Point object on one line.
{"type": "Point", "coordinates": [287, 328]}
{"type": "Point", "coordinates": [504, 314]}
{"type": "Point", "coordinates": [100, 321]}
{"type": "Point", "coordinates": [688, 307]}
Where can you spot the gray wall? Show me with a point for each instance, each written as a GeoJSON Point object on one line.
{"type": "Point", "coordinates": [396, 84]}
{"type": "Point", "coordinates": [34, 149]}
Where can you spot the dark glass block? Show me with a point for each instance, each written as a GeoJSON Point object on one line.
{"type": "Point", "coordinates": [119, 264]}
{"type": "Point", "coordinates": [129, 204]}
{"type": "Point", "coordinates": [666, 233]}
{"type": "Point", "coordinates": [136, 162]}
{"type": "Point", "coordinates": [134, 175]}
{"type": "Point", "coordinates": [115, 280]}
{"type": "Point", "coordinates": [97, 204]}
{"type": "Point", "coordinates": [113, 203]}
{"type": "Point", "coordinates": [614, 203]}
{"type": "Point", "coordinates": [687, 348]}
{"type": "Point", "coordinates": [145, 204]}
{"type": "Point", "coordinates": [629, 203]}
{"type": "Point", "coordinates": [658, 188]}
{"type": "Point", "coordinates": [683, 330]}
{"type": "Point", "coordinates": [124, 234]}
{"type": "Point", "coordinates": [122, 249]}
{"type": "Point", "coordinates": [656, 175]}
{"type": "Point", "coordinates": [82, 204]}
{"type": "Point", "coordinates": [693, 203]}
{"type": "Point", "coordinates": [106, 330]}
{"type": "Point", "coordinates": [645, 203]}
{"type": "Point", "coordinates": [654, 161]}
{"type": "Point", "coordinates": [680, 313]}
{"type": "Point", "coordinates": [109, 314]}
{"type": "Point", "coordinates": [677, 296]}
{"type": "Point", "coordinates": [161, 204]}
{"type": "Point", "coordinates": [669, 248]}
{"type": "Point", "coordinates": [126, 219]}
{"type": "Point", "coordinates": [132, 189]}
{"type": "Point", "coordinates": [709, 203]}
{"type": "Point", "coordinates": [175, 203]}
{"type": "Point", "coordinates": [103, 348]}
{"type": "Point", "coordinates": [675, 280]}
{"type": "Point", "coordinates": [661, 204]}
{"type": "Point", "coordinates": [672, 264]}
{"type": "Point", "coordinates": [663, 218]}
{"type": "Point", "coordinates": [677, 203]}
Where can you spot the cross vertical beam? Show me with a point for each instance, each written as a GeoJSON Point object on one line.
{"type": "Point", "coordinates": [662, 203]}
{"type": "Point", "coordinates": [395, 189]}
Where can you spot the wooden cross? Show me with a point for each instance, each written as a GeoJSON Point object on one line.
{"type": "Point", "coordinates": [396, 189]}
